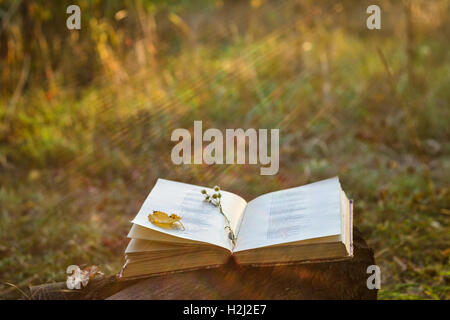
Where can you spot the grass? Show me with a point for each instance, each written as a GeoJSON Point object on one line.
{"type": "Point", "coordinates": [77, 161]}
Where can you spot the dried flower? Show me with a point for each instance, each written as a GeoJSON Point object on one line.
{"type": "Point", "coordinates": [215, 200]}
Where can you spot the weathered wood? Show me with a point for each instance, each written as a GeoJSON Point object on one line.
{"type": "Point", "coordinates": [97, 289]}
{"type": "Point", "coordinates": [330, 280]}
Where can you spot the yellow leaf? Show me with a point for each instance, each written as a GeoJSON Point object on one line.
{"type": "Point", "coordinates": [163, 220]}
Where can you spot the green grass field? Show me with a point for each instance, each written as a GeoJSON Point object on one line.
{"type": "Point", "coordinates": [85, 124]}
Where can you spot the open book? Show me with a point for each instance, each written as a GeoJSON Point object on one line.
{"type": "Point", "coordinates": [304, 224]}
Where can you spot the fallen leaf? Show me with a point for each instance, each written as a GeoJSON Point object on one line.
{"type": "Point", "coordinates": [163, 220]}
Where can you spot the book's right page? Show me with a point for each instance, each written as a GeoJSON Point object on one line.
{"type": "Point", "coordinates": [301, 213]}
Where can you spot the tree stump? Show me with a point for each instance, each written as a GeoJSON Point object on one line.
{"type": "Point", "coordinates": [328, 280]}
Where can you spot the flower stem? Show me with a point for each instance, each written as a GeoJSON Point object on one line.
{"type": "Point", "coordinates": [216, 201]}
{"type": "Point", "coordinates": [228, 226]}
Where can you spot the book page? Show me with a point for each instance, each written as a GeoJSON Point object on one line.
{"type": "Point", "coordinates": [202, 221]}
{"type": "Point", "coordinates": [301, 213]}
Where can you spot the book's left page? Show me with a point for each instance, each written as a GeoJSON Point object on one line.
{"type": "Point", "coordinates": [202, 221]}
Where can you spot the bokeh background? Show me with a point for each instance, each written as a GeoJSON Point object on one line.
{"type": "Point", "coordinates": [86, 118]}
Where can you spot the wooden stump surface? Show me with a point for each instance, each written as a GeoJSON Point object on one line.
{"type": "Point", "coordinates": [329, 280]}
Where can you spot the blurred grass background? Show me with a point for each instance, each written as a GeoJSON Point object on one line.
{"type": "Point", "coordinates": [86, 118]}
